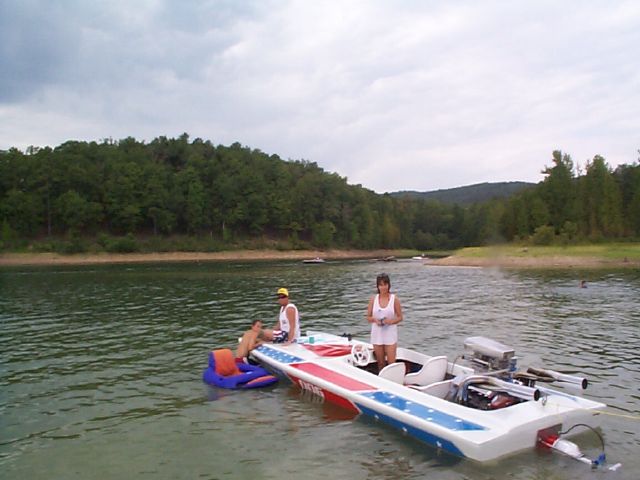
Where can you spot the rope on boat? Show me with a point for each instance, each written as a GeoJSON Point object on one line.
{"type": "Point", "coordinates": [605, 412]}
{"type": "Point", "coordinates": [621, 415]}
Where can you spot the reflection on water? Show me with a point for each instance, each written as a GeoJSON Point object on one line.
{"type": "Point", "coordinates": [100, 367]}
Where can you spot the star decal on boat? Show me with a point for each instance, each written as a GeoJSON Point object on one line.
{"type": "Point", "coordinates": [278, 355]}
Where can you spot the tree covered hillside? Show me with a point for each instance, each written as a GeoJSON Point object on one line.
{"type": "Point", "coordinates": [599, 204]}
{"type": "Point", "coordinates": [129, 195]}
{"type": "Point", "coordinates": [470, 194]}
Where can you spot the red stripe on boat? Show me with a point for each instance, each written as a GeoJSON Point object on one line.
{"type": "Point", "coordinates": [333, 377]}
{"type": "Point", "coordinates": [325, 394]}
{"type": "Point", "coordinates": [329, 350]}
{"type": "Point", "coordinates": [340, 401]}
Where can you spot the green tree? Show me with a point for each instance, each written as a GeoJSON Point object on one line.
{"type": "Point", "coordinates": [157, 205]}
{"type": "Point", "coordinates": [23, 212]}
{"type": "Point", "coordinates": [194, 197]}
{"type": "Point", "coordinates": [323, 234]}
{"type": "Point", "coordinates": [390, 233]}
{"type": "Point", "coordinates": [628, 180]}
{"type": "Point", "coordinates": [538, 212]}
{"type": "Point", "coordinates": [601, 200]}
{"type": "Point", "coordinates": [123, 185]}
{"type": "Point", "coordinates": [544, 235]}
{"type": "Point", "coordinates": [559, 190]}
{"type": "Point", "coordinates": [76, 213]}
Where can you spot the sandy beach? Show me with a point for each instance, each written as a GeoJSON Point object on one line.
{"type": "Point", "coordinates": [497, 261]}
{"type": "Point", "coordinates": [9, 259]}
{"type": "Point", "coordinates": [536, 262]}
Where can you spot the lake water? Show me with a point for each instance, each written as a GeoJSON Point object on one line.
{"type": "Point", "coordinates": [100, 368]}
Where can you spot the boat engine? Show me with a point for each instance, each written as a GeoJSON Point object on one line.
{"type": "Point", "coordinates": [486, 355]}
{"type": "Point", "coordinates": [492, 386]}
{"type": "Point", "coordinates": [485, 399]}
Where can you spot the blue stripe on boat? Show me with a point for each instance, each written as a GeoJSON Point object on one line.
{"type": "Point", "coordinates": [423, 412]}
{"type": "Point", "coordinates": [277, 355]}
{"type": "Point", "coordinates": [426, 437]}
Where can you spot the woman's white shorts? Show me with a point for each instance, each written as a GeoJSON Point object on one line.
{"type": "Point", "coordinates": [387, 335]}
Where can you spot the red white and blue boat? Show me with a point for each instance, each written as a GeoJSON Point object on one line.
{"type": "Point", "coordinates": [478, 406]}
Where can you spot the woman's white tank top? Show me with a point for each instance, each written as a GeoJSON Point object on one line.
{"type": "Point", "coordinates": [387, 312]}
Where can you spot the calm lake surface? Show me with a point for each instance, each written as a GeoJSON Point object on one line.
{"type": "Point", "coordinates": [100, 368]}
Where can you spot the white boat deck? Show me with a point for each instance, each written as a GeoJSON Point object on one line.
{"type": "Point", "coordinates": [478, 434]}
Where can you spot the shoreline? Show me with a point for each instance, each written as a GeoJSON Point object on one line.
{"type": "Point", "coordinates": [44, 259]}
{"type": "Point", "coordinates": [554, 261]}
{"type": "Point", "coordinates": [498, 261]}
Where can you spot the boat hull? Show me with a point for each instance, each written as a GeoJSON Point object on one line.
{"type": "Point", "coordinates": [466, 432]}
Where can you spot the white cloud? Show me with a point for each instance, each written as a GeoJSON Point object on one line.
{"type": "Point", "coordinates": [392, 95]}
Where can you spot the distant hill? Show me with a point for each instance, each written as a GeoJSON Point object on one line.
{"type": "Point", "coordinates": [470, 194]}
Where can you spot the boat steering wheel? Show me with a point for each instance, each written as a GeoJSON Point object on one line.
{"type": "Point", "coordinates": [360, 354]}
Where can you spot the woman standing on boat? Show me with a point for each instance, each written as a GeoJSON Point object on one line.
{"type": "Point", "coordinates": [384, 313]}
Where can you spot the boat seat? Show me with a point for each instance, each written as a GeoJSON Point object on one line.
{"type": "Point", "coordinates": [433, 370]}
{"type": "Point", "coordinates": [437, 389]}
{"type": "Point", "coordinates": [394, 372]}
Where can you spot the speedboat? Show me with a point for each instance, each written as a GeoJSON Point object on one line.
{"type": "Point", "coordinates": [478, 406]}
{"type": "Point", "coordinates": [314, 260]}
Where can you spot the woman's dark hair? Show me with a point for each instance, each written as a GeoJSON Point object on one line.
{"type": "Point", "coordinates": [383, 278]}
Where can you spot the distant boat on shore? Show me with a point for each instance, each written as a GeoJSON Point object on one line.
{"type": "Point", "coordinates": [390, 258]}
{"type": "Point", "coordinates": [314, 260]}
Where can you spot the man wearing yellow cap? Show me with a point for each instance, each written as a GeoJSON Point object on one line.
{"type": "Point", "coordinates": [287, 328]}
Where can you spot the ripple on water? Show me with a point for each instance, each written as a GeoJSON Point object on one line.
{"type": "Point", "coordinates": [105, 363]}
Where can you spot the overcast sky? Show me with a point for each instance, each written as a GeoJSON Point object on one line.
{"type": "Point", "coordinates": [394, 95]}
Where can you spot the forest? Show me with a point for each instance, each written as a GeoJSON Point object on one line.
{"type": "Point", "coordinates": [469, 194]}
{"type": "Point", "coordinates": [182, 194]}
